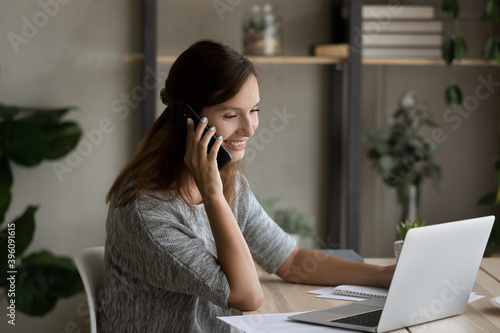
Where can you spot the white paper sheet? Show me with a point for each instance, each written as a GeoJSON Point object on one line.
{"type": "Point", "coordinates": [276, 323]}
{"type": "Point", "coordinates": [279, 322]}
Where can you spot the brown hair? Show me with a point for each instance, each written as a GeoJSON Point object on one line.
{"type": "Point", "coordinates": [206, 74]}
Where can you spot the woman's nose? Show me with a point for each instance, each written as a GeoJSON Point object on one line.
{"type": "Point", "coordinates": [248, 126]}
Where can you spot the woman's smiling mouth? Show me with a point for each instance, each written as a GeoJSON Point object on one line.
{"type": "Point", "coordinates": [235, 145]}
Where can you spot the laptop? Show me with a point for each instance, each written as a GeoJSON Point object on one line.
{"type": "Point", "coordinates": [433, 280]}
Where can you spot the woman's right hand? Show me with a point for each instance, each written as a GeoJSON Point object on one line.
{"type": "Point", "coordinates": [203, 166]}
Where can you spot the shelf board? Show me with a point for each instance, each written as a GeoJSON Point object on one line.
{"type": "Point", "coordinates": [423, 61]}
{"type": "Point", "coordinates": [324, 60]}
{"type": "Point", "coordinates": [261, 60]}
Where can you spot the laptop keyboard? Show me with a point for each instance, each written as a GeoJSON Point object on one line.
{"type": "Point", "coordinates": [368, 319]}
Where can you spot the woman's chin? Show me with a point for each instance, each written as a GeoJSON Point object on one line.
{"type": "Point", "coordinates": [236, 155]}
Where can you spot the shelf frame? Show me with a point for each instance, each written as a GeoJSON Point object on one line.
{"type": "Point", "coordinates": [354, 131]}
{"type": "Point", "coordinates": [427, 62]}
{"type": "Point", "coordinates": [326, 60]}
{"type": "Point", "coordinates": [275, 60]}
{"type": "Point", "coordinates": [149, 49]}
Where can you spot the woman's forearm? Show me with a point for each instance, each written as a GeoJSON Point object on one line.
{"type": "Point", "coordinates": [314, 267]}
{"type": "Point", "coordinates": [234, 256]}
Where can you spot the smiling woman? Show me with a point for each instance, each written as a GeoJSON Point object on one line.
{"type": "Point", "coordinates": [236, 119]}
{"type": "Point", "coordinates": [182, 236]}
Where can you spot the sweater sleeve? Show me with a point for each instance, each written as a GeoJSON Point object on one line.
{"type": "Point", "coordinates": [269, 245]}
{"type": "Point", "coordinates": [153, 245]}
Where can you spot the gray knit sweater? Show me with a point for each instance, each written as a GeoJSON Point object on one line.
{"type": "Point", "coordinates": [161, 272]}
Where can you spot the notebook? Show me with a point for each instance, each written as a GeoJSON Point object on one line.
{"type": "Point", "coordinates": [433, 280]}
{"type": "Point", "coordinates": [360, 291]}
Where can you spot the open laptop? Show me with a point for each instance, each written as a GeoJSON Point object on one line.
{"type": "Point", "coordinates": [433, 280]}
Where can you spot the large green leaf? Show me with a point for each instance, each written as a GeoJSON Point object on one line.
{"type": "Point", "coordinates": [45, 278]}
{"type": "Point", "coordinates": [38, 115]}
{"type": "Point", "coordinates": [63, 138]}
{"type": "Point", "coordinates": [33, 294]}
{"type": "Point", "coordinates": [448, 51]}
{"type": "Point", "coordinates": [21, 232]}
{"type": "Point", "coordinates": [5, 197]}
{"type": "Point", "coordinates": [491, 10]}
{"type": "Point", "coordinates": [451, 7]}
{"type": "Point", "coordinates": [489, 48]}
{"type": "Point", "coordinates": [5, 172]}
{"type": "Point", "coordinates": [497, 53]}
{"type": "Point", "coordinates": [8, 112]}
{"type": "Point", "coordinates": [453, 94]}
{"type": "Point", "coordinates": [22, 142]}
{"type": "Point", "coordinates": [460, 48]}
{"type": "Point", "coordinates": [24, 227]}
{"type": "Point", "coordinates": [16, 235]}
{"type": "Point", "coordinates": [46, 116]}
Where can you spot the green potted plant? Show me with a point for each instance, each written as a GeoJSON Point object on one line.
{"type": "Point", "coordinates": [402, 156]}
{"type": "Point", "coordinates": [402, 229]}
{"type": "Point", "coordinates": [34, 282]}
{"type": "Point", "coordinates": [292, 221]}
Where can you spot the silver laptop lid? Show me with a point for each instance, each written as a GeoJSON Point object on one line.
{"type": "Point", "coordinates": [435, 273]}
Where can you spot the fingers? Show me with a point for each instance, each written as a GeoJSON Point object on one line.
{"type": "Point", "coordinates": [206, 138]}
{"type": "Point", "coordinates": [195, 133]}
{"type": "Point", "coordinates": [215, 148]}
{"type": "Point", "coordinates": [198, 143]}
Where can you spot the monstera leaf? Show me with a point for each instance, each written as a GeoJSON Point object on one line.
{"type": "Point", "coordinates": [27, 137]}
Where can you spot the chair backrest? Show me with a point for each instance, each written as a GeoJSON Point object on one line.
{"type": "Point", "coordinates": [90, 265]}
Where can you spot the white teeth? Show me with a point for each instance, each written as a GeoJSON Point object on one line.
{"type": "Point", "coordinates": [236, 144]}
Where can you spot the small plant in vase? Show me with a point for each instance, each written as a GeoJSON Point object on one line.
{"type": "Point", "coordinates": [402, 230]}
{"type": "Point", "coordinates": [403, 157]}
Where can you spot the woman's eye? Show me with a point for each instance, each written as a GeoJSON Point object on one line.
{"type": "Point", "coordinates": [255, 110]}
{"type": "Point", "coordinates": [229, 116]}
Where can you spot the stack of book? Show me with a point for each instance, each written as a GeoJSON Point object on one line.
{"type": "Point", "coordinates": [403, 31]}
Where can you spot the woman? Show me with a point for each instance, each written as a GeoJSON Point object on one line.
{"type": "Point", "coordinates": [182, 237]}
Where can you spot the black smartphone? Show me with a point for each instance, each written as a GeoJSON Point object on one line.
{"type": "Point", "coordinates": [180, 120]}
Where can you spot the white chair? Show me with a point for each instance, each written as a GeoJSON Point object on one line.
{"type": "Point", "coordinates": [90, 265]}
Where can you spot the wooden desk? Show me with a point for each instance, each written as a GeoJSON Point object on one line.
{"type": "Point", "coordinates": [479, 316]}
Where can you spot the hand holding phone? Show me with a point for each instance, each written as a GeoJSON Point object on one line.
{"type": "Point", "coordinates": [180, 116]}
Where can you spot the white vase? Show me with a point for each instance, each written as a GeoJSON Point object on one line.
{"type": "Point", "coordinates": [398, 246]}
{"type": "Point", "coordinates": [412, 203]}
